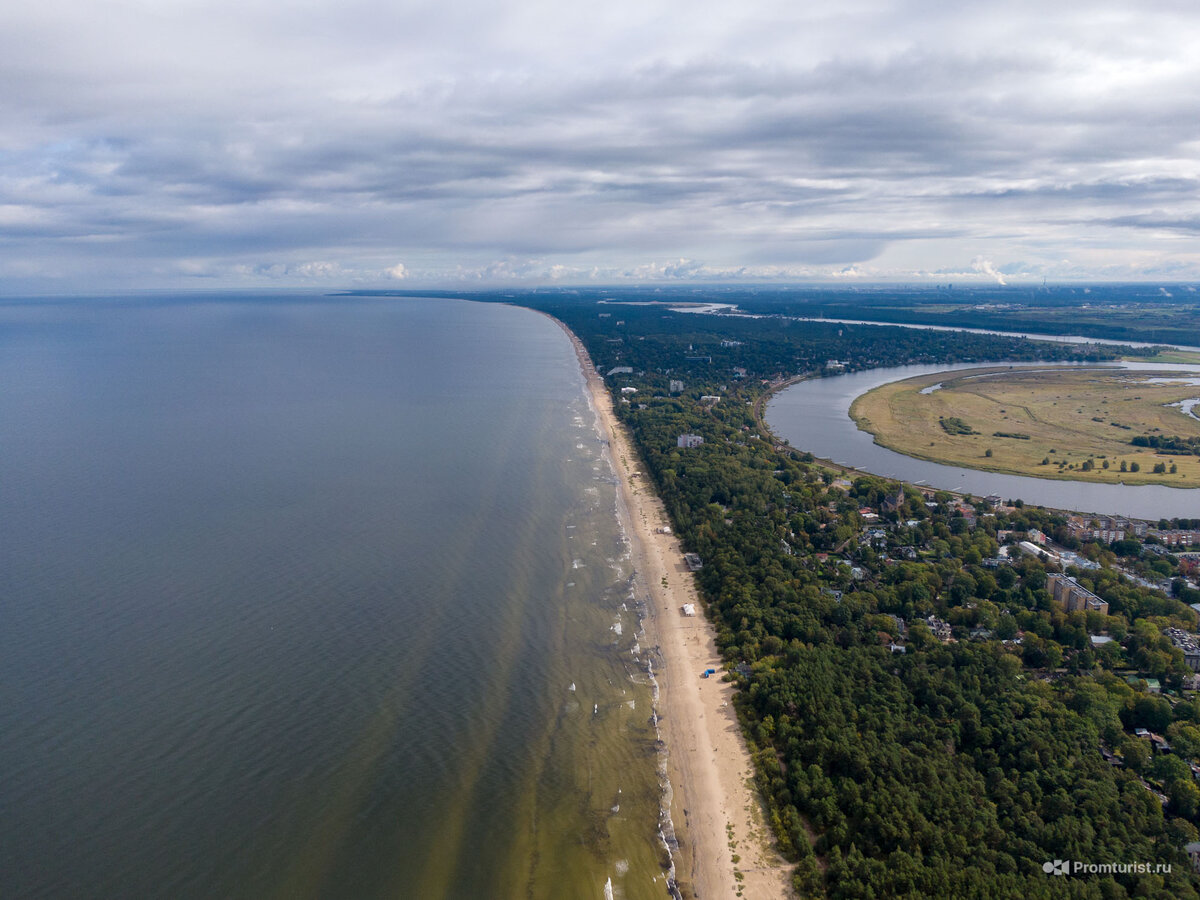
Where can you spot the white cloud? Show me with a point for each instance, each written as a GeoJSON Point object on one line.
{"type": "Point", "coordinates": [398, 272]}
{"type": "Point", "coordinates": [317, 270]}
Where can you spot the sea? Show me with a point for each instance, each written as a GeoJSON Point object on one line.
{"type": "Point", "coordinates": [315, 596]}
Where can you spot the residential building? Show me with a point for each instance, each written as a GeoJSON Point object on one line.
{"type": "Point", "coordinates": [940, 628]}
{"type": "Point", "coordinates": [1073, 597]}
{"type": "Point", "coordinates": [1176, 538]}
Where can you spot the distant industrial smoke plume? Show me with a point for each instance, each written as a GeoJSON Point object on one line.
{"type": "Point", "coordinates": [979, 264]}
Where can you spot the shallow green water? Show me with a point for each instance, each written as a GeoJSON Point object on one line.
{"type": "Point", "coordinates": [295, 590]}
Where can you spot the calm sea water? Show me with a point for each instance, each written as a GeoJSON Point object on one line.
{"type": "Point", "coordinates": [293, 593]}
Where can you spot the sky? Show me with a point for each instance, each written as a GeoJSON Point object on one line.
{"type": "Point", "coordinates": [269, 143]}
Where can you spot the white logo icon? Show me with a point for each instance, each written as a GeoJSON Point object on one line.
{"type": "Point", "coordinates": [1058, 867]}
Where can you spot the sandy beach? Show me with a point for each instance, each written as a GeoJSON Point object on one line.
{"type": "Point", "coordinates": [715, 808]}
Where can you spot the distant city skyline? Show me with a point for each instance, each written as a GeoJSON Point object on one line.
{"type": "Point", "coordinates": [367, 144]}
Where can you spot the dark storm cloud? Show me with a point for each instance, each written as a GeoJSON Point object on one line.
{"type": "Point", "coordinates": [524, 141]}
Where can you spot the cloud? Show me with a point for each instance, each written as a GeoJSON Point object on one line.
{"type": "Point", "coordinates": [318, 270]}
{"type": "Point", "coordinates": [516, 141]}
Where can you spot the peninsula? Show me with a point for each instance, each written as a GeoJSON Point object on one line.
{"type": "Point", "coordinates": [1101, 425]}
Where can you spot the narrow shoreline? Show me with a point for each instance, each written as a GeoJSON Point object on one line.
{"type": "Point", "coordinates": [714, 804]}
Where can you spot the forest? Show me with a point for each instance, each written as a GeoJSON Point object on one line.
{"type": "Point", "coordinates": [1182, 445]}
{"type": "Point", "coordinates": [1124, 312]}
{"type": "Point", "coordinates": [924, 719]}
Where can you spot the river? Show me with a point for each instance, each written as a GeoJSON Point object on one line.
{"type": "Point", "coordinates": [814, 415]}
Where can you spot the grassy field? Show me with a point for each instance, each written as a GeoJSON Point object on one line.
{"type": "Point", "coordinates": [1061, 423]}
{"type": "Point", "coordinates": [1170, 356]}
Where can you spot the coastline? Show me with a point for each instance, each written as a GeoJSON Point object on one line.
{"type": "Point", "coordinates": [714, 805]}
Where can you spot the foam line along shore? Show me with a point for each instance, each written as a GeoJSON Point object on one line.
{"type": "Point", "coordinates": [713, 805]}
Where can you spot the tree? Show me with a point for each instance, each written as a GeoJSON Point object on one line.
{"type": "Point", "coordinates": [1151, 713]}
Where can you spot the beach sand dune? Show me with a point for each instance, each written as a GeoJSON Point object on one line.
{"type": "Point", "coordinates": [715, 807]}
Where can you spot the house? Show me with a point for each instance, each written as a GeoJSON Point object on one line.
{"type": "Point", "coordinates": [876, 537]}
{"type": "Point", "coordinates": [693, 562]}
{"type": "Point", "coordinates": [688, 441]}
{"type": "Point", "coordinates": [941, 629]}
{"type": "Point", "coordinates": [619, 370]}
{"type": "Point", "coordinates": [1157, 741]}
{"type": "Point", "coordinates": [688, 609]}
{"type": "Point", "coordinates": [1193, 852]}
